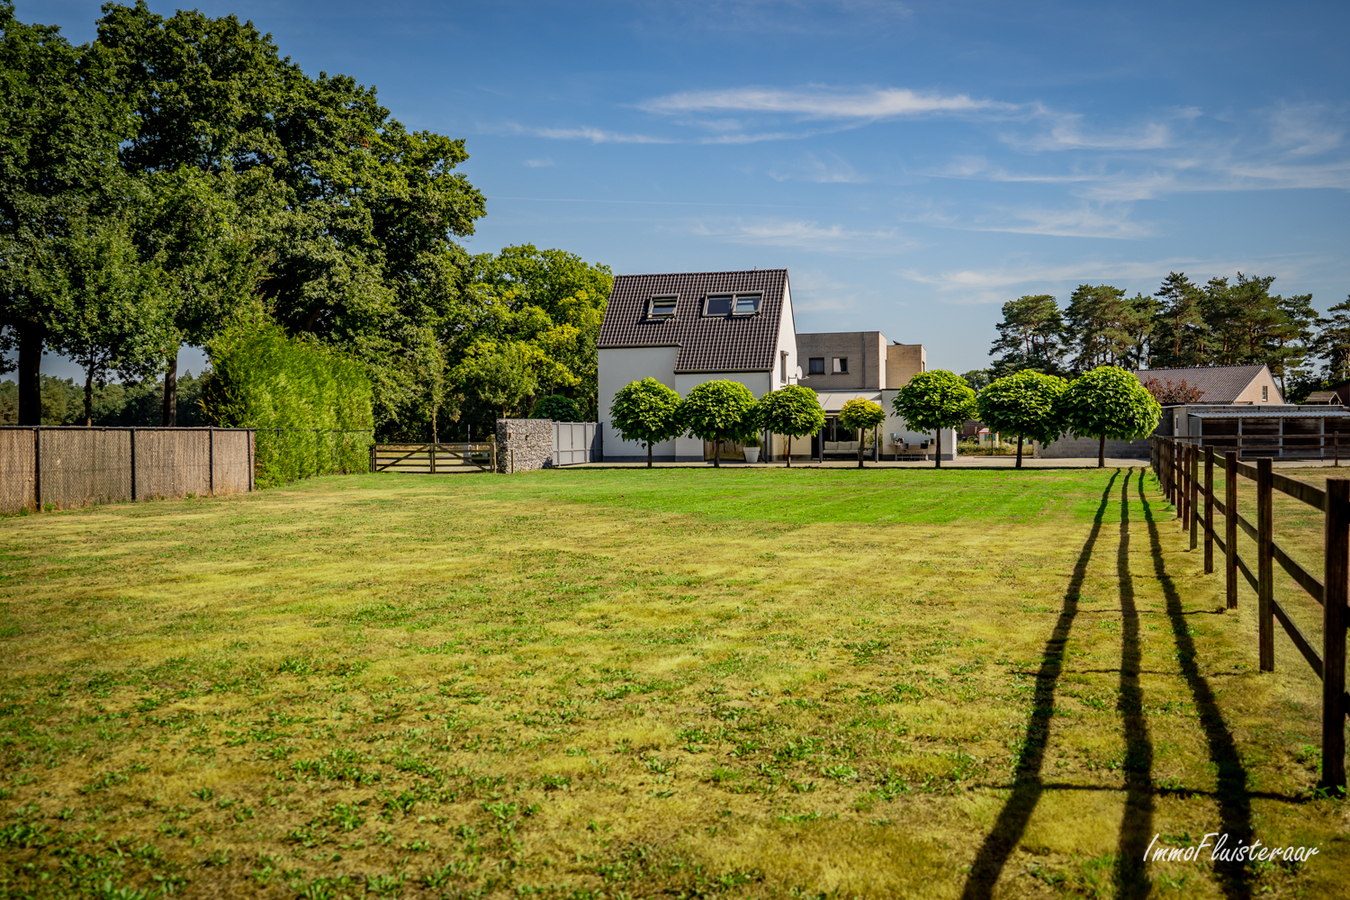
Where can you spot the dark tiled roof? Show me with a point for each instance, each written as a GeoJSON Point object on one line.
{"type": "Point", "coordinates": [707, 343]}
{"type": "Point", "coordinates": [1221, 384]}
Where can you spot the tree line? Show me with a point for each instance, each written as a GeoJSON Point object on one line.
{"type": "Point", "coordinates": [177, 175]}
{"type": "Point", "coordinates": [1103, 402]}
{"type": "Point", "coordinates": [1223, 322]}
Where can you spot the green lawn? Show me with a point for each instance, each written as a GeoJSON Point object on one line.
{"type": "Point", "coordinates": [623, 683]}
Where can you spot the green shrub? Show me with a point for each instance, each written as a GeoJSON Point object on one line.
{"type": "Point", "coordinates": [558, 408]}
{"type": "Point", "coordinates": [311, 404]}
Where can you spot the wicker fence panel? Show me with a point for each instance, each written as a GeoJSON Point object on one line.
{"type": "Point", "coordinates": [233, 462]}
{"type": "Point", "coordinates": [16, 470]}
{"type": "Point", "coordinates": [172, 463]}
{"type": "Point", "coordinates": [73, 467]}
{"type": "Point", "coordinates": [81, 467]}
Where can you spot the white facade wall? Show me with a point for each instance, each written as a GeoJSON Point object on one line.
{"type": "Point", "coordinates": [689, 449]}
{"type": "Point", "coordinates": [619, 367]}
{"type": "Point", "coordinates": [785, 366]}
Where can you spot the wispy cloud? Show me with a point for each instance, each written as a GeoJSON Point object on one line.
{"type": "Point", "coordinates": [800, 234]}
{"type": "Point", "coordinates": [583, 133]}
{"type": "Point", "coordinates": [1306, 129]}
{"type": "Point", "coordinates": [818, 102]}
{"type": "Point", "coordinates": [999, 284]}
{"type": "Point", "coordinates": [539, 163]}
{"type": "Point", "coordinates": [1069, 133]}
{"type": "Point", "coordinates": [831, 170]}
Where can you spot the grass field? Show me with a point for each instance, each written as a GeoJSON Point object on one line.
{"type": "Point", "coordinates": [628, 683]}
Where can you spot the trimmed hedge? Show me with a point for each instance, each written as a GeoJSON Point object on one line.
{"type": "Point", "coordinates": [316, 402]}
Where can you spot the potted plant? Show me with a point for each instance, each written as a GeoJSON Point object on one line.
{"type": "Point", "coordinates": [750, 447]}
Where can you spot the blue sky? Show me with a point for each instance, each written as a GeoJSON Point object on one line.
{"type": "Point", "coordinates": [913, 165]}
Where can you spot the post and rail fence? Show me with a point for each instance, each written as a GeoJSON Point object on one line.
{"type": "Point", "coordinates": [1185, 473]}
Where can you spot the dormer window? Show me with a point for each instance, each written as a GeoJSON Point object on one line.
{"type": "Point", "coordinates": [732, 304]}
{"type": "Point", "coordinates": [662, 307]}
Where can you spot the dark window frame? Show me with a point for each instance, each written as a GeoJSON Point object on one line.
{"type": "Point", "coordinates": [651, 306]}
{"type": "Point", "coordinates": [811, 365]}
{"type": "Point", "coordinates": [733, 299]}
{"type": "Point", "coordinates": [843, 365]}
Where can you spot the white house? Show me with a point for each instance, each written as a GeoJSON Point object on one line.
{"type": "Point", "coordinates": [687, 328]}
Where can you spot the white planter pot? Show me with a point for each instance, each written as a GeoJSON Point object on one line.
{"type": "Point", "coordinates": [751, 454]}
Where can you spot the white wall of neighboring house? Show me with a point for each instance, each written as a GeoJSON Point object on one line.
{"type": "Point", "coordinates": [787, 343]}
{"type": "Point", "coordinates": [620, 366]}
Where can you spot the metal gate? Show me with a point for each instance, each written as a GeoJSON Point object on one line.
{"type": "Point", "coordinates": [576, 442]}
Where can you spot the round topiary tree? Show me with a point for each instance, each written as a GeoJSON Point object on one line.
{"type": "Point", "coordinates": [932, 401]}
{"type": "Point", "coordinates": [646, 411]}
{"type": "Point", "coordinates": [1108, 402]}
{"type": "Point", "coordinates": [1023, 404]}
{"type": "Point", "coordinates": [719, 411]}
{"type": "Point", "coordinates": [793, 411]}
{"type": "Point", "coordinates": [556, 407]}
{"type": "Point", "coordinates": [861, 415]}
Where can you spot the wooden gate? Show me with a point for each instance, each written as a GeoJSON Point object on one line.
{"type": "Point", "coordinates": [433, 459]}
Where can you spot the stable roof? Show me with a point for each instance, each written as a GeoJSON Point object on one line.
{"type": "Point", "coordinates": [1221, 384]}
{"type": "Point", "coordinates": [707, 343]}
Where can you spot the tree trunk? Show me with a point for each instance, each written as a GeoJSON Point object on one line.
{"type": "Point", "coordinates": [937, 449]}
{"type": "Point", "coordinates": [31, 339]}
{"type": "Point", "coordinates": [170, 418]}
{"type": "Point", "coordinates": [787, 451]}
{"type": "Point", "coordinates": [860, 448]}
{"type": "Point", "coordinates": [649, 454]}
{"type": "Point", "coordinates": [1019, 451]}
{"type": "Point", "coordinates": [717, 454]}
{"type": "Point", "coordinates": [1101, 453]}
{"type": "Point", "coordinates": [89, 398]}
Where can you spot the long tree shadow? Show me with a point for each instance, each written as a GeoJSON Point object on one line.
{"type": "Point", "coordinates": [1136, 826]}
{"type": "Point", "coordinates": [1235, 811]}
{"type": "Point", "coordinates": [1027, 787]}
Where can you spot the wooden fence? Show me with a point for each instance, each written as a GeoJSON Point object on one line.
{"type": "Point", "coordinates": [1186, 475]}
{"type": "Point", "coordinates": [1280, 446]}
{"type": "Point", "coordinates": [433, 459]}
{"type": "Point", "coordinates": [51, 467]}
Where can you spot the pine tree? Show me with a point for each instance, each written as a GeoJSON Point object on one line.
{"type": "Point", "coordinates": [1029, 337]}
{"type": "Point", "coordinates": [1332, 343]}
{"type": "Point", "coordinates": [1179, 334]}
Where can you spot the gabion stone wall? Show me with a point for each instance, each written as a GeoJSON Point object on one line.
{"type": "Point", "coordinates": [524, 445]}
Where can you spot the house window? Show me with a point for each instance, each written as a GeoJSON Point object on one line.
{"type": "Point", "coordinates": [747, 304]}
{"type": "Point", "coordinates": [732, 304]}
{"type": "Point", "coordinates": [662, 307]}
{"type": "Point", "coordinates": [815, 365]}
{"type": "Point", "coordinates": [718, 305]}
{"type": "Point", "coordinates": [839, 365]}
{"type": "Point", "coordinates": [1265, 393]}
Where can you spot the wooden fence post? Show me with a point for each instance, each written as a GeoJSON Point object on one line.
{"type": "Point", "coordinates": [1193, 479]}
{"type": "Point", "coordinates": [372, 458]}
{"type": "Point", "coordinates": [1265, 561]}
{"type": "Point", "coordinates": [1209, 510]}
{"type": "Point", "coordinates": [1336, 594]}
{"type": "Point", "coordinates": [133, 463]}
{"type": "Point", "coordinates": [1230, 529]}
{"type": "Point", "coordinates": [37, 469]}
{"type": "Point", "coordinates": [211, 461]}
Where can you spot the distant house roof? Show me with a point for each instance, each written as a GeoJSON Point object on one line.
{"type": "Point", "coordinates": [706, 343]}
{"type": "Point", "coordinates": [1221, 384]}
{"type": "Point", "coordinates": [1323, 397]}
